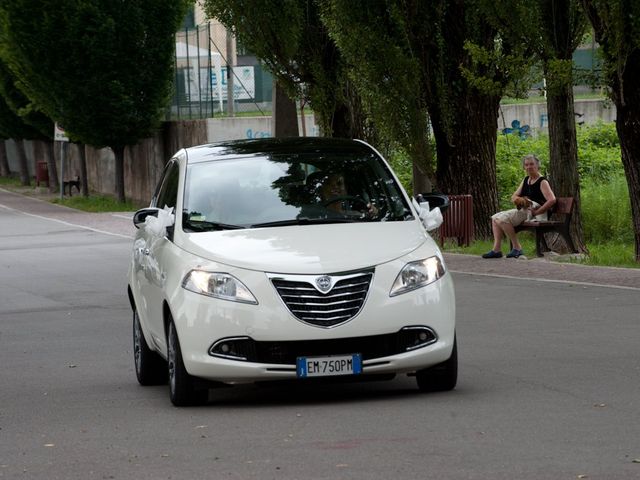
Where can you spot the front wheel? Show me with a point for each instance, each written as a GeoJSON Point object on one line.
{"type": "Point", "coordinates": [184, 389]}
{"type": "Point", "coordinates": [151, 369]}
{"type": "Point", "coordinates": [441, 377]}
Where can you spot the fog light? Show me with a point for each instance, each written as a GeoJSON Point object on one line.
{"type": "Point", "coordinates": [235, 348]}
{"type": "Point", "coordinates": [417, 337]}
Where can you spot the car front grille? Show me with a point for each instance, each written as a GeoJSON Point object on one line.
{"type": "Point", "coordinates": [307, 303]}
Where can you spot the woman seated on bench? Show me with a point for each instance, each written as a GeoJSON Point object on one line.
{"type": "Point", "coordinates": [533, 187]}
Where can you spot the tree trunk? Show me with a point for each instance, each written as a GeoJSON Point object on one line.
{"type": "Point", "coordinates": [421, 154]}
{"type": "Point", "coordinates": [563, 165]}
{"type": "Point", "coordinates": [467, 156]}
{"type": "Point", "coordinates": [5, 170]}
{"type": "Point", "coordinates": [51, 167]}
{"type": "Point", "coordinates": [119, 160]}
{"type": "Point", "coordinates": [82, 153]}
{"type": "Point", "coordinates": [347, 119]}
{"type": "Point", "coordinates": [285, 115]}
{"type": "Point", "coordinates": [22, 163]}
{"type": "Point", "coordinates": [628, 127]}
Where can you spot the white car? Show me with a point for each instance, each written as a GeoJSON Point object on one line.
{"type": "Point", "coordinates": [282, 259]}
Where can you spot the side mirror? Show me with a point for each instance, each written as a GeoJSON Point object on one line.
{"type": "Point", "coordinates": [430, 207]}
{"type": "Point", "coordinates": [141, 215]}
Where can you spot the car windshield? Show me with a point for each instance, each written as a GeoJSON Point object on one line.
{"type": "Point", "coordinates": [280, 190]}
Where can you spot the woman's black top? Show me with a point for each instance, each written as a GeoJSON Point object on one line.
{"type": "Point", "coordinates": [533, 190]}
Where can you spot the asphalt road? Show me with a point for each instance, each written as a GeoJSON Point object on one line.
{"type": "Point", "coordinates": [548, 387]}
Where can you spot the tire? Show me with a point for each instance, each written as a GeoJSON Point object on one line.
{"type": "Point", "coordinates": [184, 389]}
{"type": "Point", "coordinates": [150, 367]}
{"type": "Point", "coordinates": [442, 377]}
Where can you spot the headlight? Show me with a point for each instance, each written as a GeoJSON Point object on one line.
{"type": "Point", "coordinates": [417, 274]}
{"type": "Point", "coordinates": [218, 285]}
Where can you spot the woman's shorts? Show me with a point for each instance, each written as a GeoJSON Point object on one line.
{"type": "Point", "coordinates": [514, 216]}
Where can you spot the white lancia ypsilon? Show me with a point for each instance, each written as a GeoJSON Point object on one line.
{"type": "Point", "coordinates": [287, 259]}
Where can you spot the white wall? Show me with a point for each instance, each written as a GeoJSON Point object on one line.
{"type": "Point", "coordinates": [235, 128]}
{"type": "Point", "coordinates": [535, 114]}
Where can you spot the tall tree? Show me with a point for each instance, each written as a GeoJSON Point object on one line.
{"type": "Point", "coordinates": [101, 68]}
{"type": "Point", "coordinates": [416, 52]}
{"type": "Point", "coordinates": [617, 28]}
{"type": "Point", "coordinates": [290, 39]}
{"type": "Point", "coordinates": [5, 170]}
{"type": "Point", "coordinates": [376, 44]}
{"type": "Point", "coordinates": [20, 121]}
{"type": "Point", "coordinates": [552, 29]}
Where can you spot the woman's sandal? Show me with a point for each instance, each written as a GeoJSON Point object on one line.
{"type": "Point", "coordinates": [514, 253]}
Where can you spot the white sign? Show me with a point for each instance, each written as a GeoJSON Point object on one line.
{"type": "Point", "coordinates": [59, 134]}
{"type": "Point", "coordinates": [204, 89]}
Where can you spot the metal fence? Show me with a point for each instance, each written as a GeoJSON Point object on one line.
{"type": "Point", "coordinates": [201, 82]}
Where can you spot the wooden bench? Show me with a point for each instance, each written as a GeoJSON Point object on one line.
{"type": "Point", "coordinates": [561, 220]}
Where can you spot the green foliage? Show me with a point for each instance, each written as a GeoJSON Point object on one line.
{"type": "Point", "coordinates": [612, 254]}
{"type": "Point", "coordinates": [376, 40]}
{"type": "Point", "coordinates": [488, 68]}
{"type": "Point", "coordinates": [606, 211]}
{"type": "Point", "coordinates": [559, 73]}
{"type": "Point", "coordinates": [617, 29]}
{"type": "Point", "coordinates": [18, 117]}
{"type": "Point", "coordinates": [599, 158]}
{"type": "Point", "coordinates": [289, 37]}
{"type": "Point", "coordinates": [101, 68]}
{"type": "Point", "coordinates": [401, 164]}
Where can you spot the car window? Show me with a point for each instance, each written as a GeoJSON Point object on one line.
{"type": "Point", "coordinates": [168, 192]}
{"type": "Point", "coordinates": [256, 191]}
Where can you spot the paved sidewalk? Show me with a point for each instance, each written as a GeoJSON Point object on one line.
{"type": "Point", "coordinates": [544, 269]}
{"type": "Point", "coordinates": [120, 224]}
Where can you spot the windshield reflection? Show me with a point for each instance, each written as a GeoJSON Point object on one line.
{"type": "Point", "coordinates": [277, 190]}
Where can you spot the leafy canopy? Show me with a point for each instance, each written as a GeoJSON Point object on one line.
{"type": "Point", "coordinates": [102, 68]}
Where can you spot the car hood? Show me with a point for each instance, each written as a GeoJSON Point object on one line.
{"type": "Point", "coordinates": [310, 248]}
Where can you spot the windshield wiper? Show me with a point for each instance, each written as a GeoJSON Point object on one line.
{"type": "Point", "coordinates": [204, 226]}
{"type": "Point", "coordinates": [303, 221]}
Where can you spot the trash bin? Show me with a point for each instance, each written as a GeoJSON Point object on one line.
{"type": "Point", "coordinates": [42, 173]}
{"type": "Point", "coordinates": [458, 220]}
{"type": "Point", "coordinates": [435, 200]}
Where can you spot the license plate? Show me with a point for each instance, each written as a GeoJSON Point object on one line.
{"type": "Point", "coordinates": [329, 366]}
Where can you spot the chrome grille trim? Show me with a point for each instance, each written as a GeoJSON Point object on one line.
{"type": "Point", "coordinates": [335, 307]}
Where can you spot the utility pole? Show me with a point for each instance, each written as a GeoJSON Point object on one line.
{"type": "Point", "coordinates": [230, 63]}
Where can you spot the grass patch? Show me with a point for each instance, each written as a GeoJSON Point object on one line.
{"type": "Point", "coordinates": [10, 182]}
{"type": "Point", "coordinates": [607, 254]}
{"type": "Point", "coordinates": [611, 254]}
{"type": "Point", "coordinates": [95, 203]}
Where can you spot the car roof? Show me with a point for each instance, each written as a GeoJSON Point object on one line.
{"type": "Point", "coordinates": [277, 146]}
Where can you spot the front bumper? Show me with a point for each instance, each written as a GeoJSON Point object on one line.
{"type": "Point", "coordinates": [201, 322]}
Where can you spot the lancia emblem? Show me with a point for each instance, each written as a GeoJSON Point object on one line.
{"type": "Point", "coordinates": [324, 283]}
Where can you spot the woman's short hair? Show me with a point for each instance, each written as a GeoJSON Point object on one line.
{"type": "Point", "coordinates": [531, 156]}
